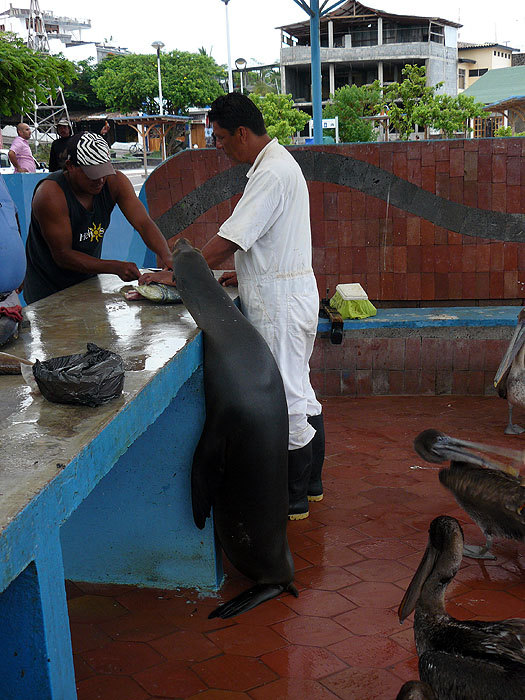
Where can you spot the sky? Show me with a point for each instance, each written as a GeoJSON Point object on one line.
{"type": "Point", "coordinates": [188, 25]}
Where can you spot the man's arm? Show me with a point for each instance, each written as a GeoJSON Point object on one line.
{"type": "Point", "coordinates": [135, 212]}
{"type": "Point", "coordinates": [14, 161]}
{"type": "Point", "coordinates": [50, 209]}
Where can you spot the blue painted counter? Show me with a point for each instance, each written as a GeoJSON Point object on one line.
{"type": "Point", "coordinates": [470, 316]}
{"type": "Point", "coordinates": [96, 494]}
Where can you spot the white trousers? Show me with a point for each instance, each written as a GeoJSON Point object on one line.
{"type": "Point", "coordinates": [285, 312]}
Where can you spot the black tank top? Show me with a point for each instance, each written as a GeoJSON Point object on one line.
{"type": "Point", "coordinates": [43, 276]}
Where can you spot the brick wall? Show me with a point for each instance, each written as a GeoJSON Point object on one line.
{"type": "Point", "coordinates": [417, 223]}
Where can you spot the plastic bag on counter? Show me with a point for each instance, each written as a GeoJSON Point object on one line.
{"type": "Point", "coordinates": [91, 378]}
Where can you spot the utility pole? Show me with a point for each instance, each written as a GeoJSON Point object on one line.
{"type": "Point", "coordinates": [316, 12]}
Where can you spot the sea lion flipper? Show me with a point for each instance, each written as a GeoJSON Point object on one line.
{"type": "Point", "coordinates": [207, 472]}
{"type": "Point", "coordinates": [251, 598]}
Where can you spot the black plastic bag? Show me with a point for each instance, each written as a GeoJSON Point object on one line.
{"type": "Point", "coordinates": [91, 378]}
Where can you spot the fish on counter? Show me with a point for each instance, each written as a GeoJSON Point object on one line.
{"type": "Point", "coordinates": [460, 659]}
{"type": "Point", "coordinates": [493, 494]}
{"type": "Point", "coordinates": [157, 292]}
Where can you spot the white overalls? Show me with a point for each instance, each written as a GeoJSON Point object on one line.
{"type": "Point", "coordinates": [277, 287]}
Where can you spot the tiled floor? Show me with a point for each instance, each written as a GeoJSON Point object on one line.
{"type": "Point", "coordinates": [354, 556]}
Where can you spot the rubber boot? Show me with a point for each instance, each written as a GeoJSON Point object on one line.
{"type": "Point", "coordinates": [299, 464]}
{"type": "Point", "coordinates": [315, 485]}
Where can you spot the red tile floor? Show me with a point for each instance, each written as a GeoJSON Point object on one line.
{"type": "Point", "coordinates": [354, 557]}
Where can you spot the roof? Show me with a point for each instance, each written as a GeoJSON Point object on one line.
{"type": "Point", "coordinates": [353, 10]}
{"type": "Point", "coordinates": [464, 45]}
{"type": "Point", "coordinates": [498, 84]}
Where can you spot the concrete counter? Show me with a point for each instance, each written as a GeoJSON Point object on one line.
{"type": "Point", "coordinates": [96, 494]}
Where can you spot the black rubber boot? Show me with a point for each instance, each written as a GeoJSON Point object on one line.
{"type": "Point", "coordinates": [315, 485]}
{"type": "Point", "coordinates": [299, 464]}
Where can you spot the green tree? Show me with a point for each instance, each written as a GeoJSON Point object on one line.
{"type": "Point", "coordinates": [80, 95]}
{"type": "Point", "coordinates": [450, 113]}
{"type": "Point", "coordinates": [407, 103]}
{"type": "Point", "coordinates": [350, 104]}
{"type": "Point", "coordinates": [282, 120]}
{"type": "Point", "coordinates": [26, 74]}
{"type": "Point", "coordinates": [130, 82]}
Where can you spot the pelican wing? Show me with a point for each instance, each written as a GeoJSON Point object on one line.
{"type": "Point", "coordinates": [454, 677]}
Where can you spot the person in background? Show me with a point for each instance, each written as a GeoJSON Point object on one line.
{"type": "Point", "coordinates": [70, 213]}
{"type": "Point", "coordinates": [12, 267]}
{"type": "Point", "coordinates": [269, 234]}
{"type": "Point", "coordinates": [20, 153]}
{"type": "Point", "coordinates": [58, 153]}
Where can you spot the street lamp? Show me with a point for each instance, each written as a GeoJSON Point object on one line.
{"type": "Point", "coordinates": [240, 64]}
{"type": "Point", "coordinates": [158, 45]}
{"type": "Point", "coordinates": [230, 75]}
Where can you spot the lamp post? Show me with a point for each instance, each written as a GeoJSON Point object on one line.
{"type": "Point", "coordinates": [158, 45]}
{"type": "Point", "coordinates": [230, 75]}
{"type": "Point", "coordinates": [240, 64]}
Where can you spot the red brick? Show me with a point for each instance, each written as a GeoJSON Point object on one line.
{"type": "Point", "coordinates": [332, 383]}
{"type": "Point", "coordinates": [400, 165]}
{"type": "Point", "coordinates": [386, 158]}
{"type": "Point", "coordinates": [455, 286]}
{"type": "Point", "coordinates": [476, 356]}
{"type": "Point", "coordinates": [499, 168]}
{"type": "Point", "coordinates": [396, 382]}
{"type": "Point", "coordinates": [345, 260]}
{"type": "Point", "coordinates": [513, 199]}
{"type": "Point", "coordinates": [510, 256]}
{"type": "Point", "coordinates": [400, 286]}
{"type": "Point", "coordinates": [427, 286]}
{"type": "Point", "coordinates": [399, 231]}
{"type": "Point", "coordinates": [443, 185]}
{"type": "Point", "coordinates": [499, 145]}
{"type": "Point", "coordinates": [456, 189]}
{"type": "Point", "coordinates": [412, 382]}
{"type": "Point", "coordinates": [372, 259]}
{"type": "Point", "coordinates": [414, 172]}
{"type": "Point", "coordinates": [400, 258]}
{"type": "Point", "coordinates": [511, 288]}
{"type": "Point", "coordinates": [457, 163]}
{"type": "Point", "coordinates": [332, 261]}
{"type": "Point", "coordinates": [460, 382]}
{"type": "Point", "coordinates": [469, 285]}
{"type": "Point", "coordinates": [484, 167]}
{"type": "Point", "coordinates": [413, 285]}
{"type": "Point", "coordinates": [373, 286]}
{"type": "Point", "coordinates": [460, 359]}
{"type": "Point", "coordinates": [331, 234]}
{"type": "Point", "coordinates": [476, 384]}
{"type": "Point", "coordinates": [363, 382]}
{"type": "Point", "coordinates": [499, 196]}
{"type": "Point", "coordinates": [372, 232]}
{"type": "Point", "coordinates": [441, 286]}
{"type": "Point", "coordinates": [364, 353]}
{"type": "Point", "coordinates": [484, 195]}
{"type": "Point", "coordinates": [495, 285]}
{"type": "Point", "coordinates": [358, 205]}
{"type": "Point", "coordinates": [413, 230]}
{"type": "Point", "coordinates": [330, 200]}
{"type": "Point", "coordinates": [386, 260]}
{"type": "Point", "coordinates": [483, 258]}
{"type": "Point", "coordinates": [348, 384]}
{"type": "Point", "coordinates": [387, 285]}
{"type": "Point", "coordinates": [317, 378]}
{"type": "Point", "coordinates": [469, 258]}
{"type": "Point", "coordinates": [494, 351]}
{"type": "Point", "coordinates": [428, 178]}
{"type": "Point", "coordinates": [513, 171]}
{"type": "Point", "coordinates": [427, 232]}
{"type": "Point", "coordinates": [441, 258]}
{"type": "Point", "coordinates": [413, 353]}
{"type": "Point", "coordinates": [442, 151]}
{"type": "Point", "coordinates": [440, 235]}
{"type": "Point", "coordinates": [445, 354]}
{"type": "Point", "coordinates": [359, 264]}
{"type": "Point", "coordinates": [427, 258]}
{"type": "Point", "coordinates": [345, 205]}
{"type": "Point", "coordinates": [470, 166]}
{"type": "Point", "coordinates": [428, 382]}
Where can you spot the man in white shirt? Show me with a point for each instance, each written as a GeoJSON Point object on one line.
{"type": "Point", "coordinates": [269, 234]}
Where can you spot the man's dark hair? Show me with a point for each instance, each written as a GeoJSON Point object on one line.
{"type": "Point", "coordinates": [234, 110]}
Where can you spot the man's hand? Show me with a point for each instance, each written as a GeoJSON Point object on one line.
{"type": "Point", "coordinates": [127, 271]}
{"type": "Point", "coordinates": [162, 277]}
{"type": "Point", "coordinates": [228, 278]}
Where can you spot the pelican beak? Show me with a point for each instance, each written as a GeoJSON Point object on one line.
{"type": "Point", "coordinates": [455, 450]}
{"type": "Point", "coordinates": [413, 591]}
{"type": "Point", "coordinates": [514, 347]}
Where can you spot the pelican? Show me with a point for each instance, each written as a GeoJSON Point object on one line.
{"type": "Point", "coordinates": [415, 690]}
{"type": "Point", "coordinates": [510, 377]}
{"type": "Point", "coordinates": [460, 660]}
{"type": "Point", "coordinates": [494, 498]}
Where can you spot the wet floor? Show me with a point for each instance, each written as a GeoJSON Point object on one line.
{"type": "Point", "coordinates": [354, 557]}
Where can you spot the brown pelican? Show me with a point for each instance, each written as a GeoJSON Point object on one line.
{"type": "Point", "coordinates": [460, 660]}
{"type": "Point", "coordinates": [493, 498]}
{"type": "Point", "coordinates": [416, 690]}
{"type": "Point", "coordinates": [510, 377]}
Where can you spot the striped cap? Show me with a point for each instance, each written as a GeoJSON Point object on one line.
{"type": "Point", "coordinates": [91, 153]}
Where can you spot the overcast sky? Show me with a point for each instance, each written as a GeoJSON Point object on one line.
{"type": "Point", "coordinates": [189, 24]}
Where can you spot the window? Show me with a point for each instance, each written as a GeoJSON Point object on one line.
{"type": "Point", "coordinates": [485, 127]}
{"type": "Point", "coordinates": [477, 72]}
{"type": "Point", "coordinates": [461, 79]}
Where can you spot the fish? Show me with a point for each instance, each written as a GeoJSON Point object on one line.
{"type": "Point", "coordinates": [160, 293]}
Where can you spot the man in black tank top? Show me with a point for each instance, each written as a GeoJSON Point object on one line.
{"type": "Point", "coordinates": [70, 213]}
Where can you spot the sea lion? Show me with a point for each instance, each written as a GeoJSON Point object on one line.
{"type": "Point", "coordinates": [240, 463]}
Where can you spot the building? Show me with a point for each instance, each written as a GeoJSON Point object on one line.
{"type": "Point", "coordinates": [503, 92]}
{"type": "Point", "coordinates": [64, 34]}
{"type": "Point", "coordinates": [360, 45]}
{"type": "Point", "coordinates": [474, 60]}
